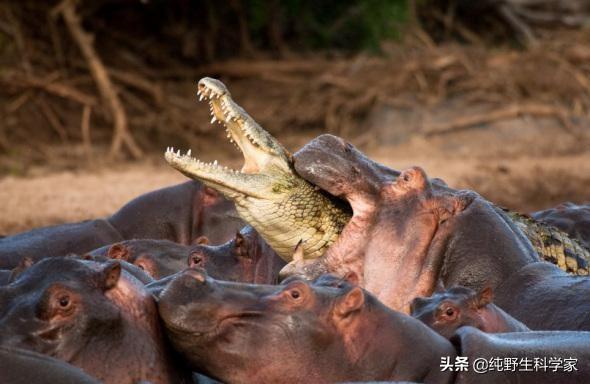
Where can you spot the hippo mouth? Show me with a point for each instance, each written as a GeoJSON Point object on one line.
{"type": "Point", "coordinates": [220, 327]}
{"type": "Point", "coordinates": [262, 153]}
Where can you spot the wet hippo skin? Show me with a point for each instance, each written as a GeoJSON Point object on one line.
{"type": "Point", "coordinates": [476, 344]}
{"type": "Point", "coordinates": [58, 240]}
{"type": "Point", "coordinates": [92, 315]}
{"type": "Point", "coordinates": [296, 333]}
{"type": "Point", "coordinates": [181, 213]}
{"type": "Point", "coordinates": [544, 297]}
{"type": "Point", "coordinates": [18, 366]}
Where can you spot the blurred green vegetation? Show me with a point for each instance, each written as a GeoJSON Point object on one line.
{"type": "Point", "coordinates": [242, 26]}
{"type": "Point", "coordinates": [336, 24]}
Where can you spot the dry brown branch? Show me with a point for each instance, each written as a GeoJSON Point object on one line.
{"type": "Point", "coordinates": [121, 136]}
{"type": "Point", "coordinates": [509, 112]}
{"type": "Point", "coordinates": [50, 86]}
{"type": "Point", "coordinates": [244, 68]}
{"type": "Point", "coordinates": [85, 130]}
{"type": "Point", "coordinates": [19, 38]}
{"type": "Point", "coordinates": [52, 119]}
{"type": "Point", "coordinates": [138, 82]}
{"type": "Point", "coordinates": [17, 103]}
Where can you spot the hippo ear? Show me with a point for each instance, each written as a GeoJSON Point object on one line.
{"type": "Point", "coordinates": [25, 263]}
{"type": "Point", "coordinates": [352, 278]}
{"type": "Point", "coordinates": [440, 287]}
{"type": "Point", "coordinates": [417, 303]}
{"type": "Point", "coordinates": [352, 301]}
{"type": "Point", "coordinates": [241, 245]}
{"type": "Point", "coordinates": [485, 296]}
{"type": "Point", "coordinates": [201, 240]}
{"type": "Point", "coordinates": [298, 254]}
{"type": "Point", "coordinates": [110, 274]}
{"type": "Point", "coordinates": [119, 251]}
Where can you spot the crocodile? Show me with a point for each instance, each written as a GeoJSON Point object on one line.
{"type": "Point", "coordinates": [267, 192]}
{"type": "Point", "coordinates": [285, 208]}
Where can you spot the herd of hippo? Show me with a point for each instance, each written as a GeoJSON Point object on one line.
{"type": "Point", "coordinates": [318, 267]}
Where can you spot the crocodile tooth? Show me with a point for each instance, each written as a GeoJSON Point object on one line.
{"type": "Point", "coordinates": [178, 153]}
{"type": "Point", "coordinates": [201, 97]}
{"type": "Point", "coordinates": [215, 163]}
{"type": "Point", "coordinates": [213, 119]}
{"type": "Point", "coordinates": [188, 153]}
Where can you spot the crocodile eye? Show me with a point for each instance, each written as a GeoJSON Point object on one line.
{"type": "Point", "coordinates": [295, 294]}
{"type": "Point", "coordinates": [450, 312]}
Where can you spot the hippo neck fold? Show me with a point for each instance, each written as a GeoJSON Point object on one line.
{"type": "Point", "coordinates": [494, 320]}
{"type": "Point", "coordinates": [149, 358]}
{"type": "Point", "coordinates": [366, 354]}
{"type": "Point", "coordinates": [480, 247]}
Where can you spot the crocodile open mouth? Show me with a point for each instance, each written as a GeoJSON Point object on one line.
{"type": "Point", "coordinates": [254, 142]}
{"type": "Point", "coordinates": [263, 155]}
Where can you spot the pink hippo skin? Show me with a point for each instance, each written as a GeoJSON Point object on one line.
{"type": "Point", "coordinates": [93, 316]}
{"type": "Point", "coordinates": [296, 333]}
{"type": "Point", "coordinates": [408, 232]}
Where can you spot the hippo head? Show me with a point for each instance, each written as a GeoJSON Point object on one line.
{"type": "Point", "coordinates": [260, 333]}
{"type": "Point", "coordinates": [233, 260]}
{"type": "Point", "coordinates": [407, 230]}
{"type": "Point", "coordinates": [51, 304]}
{"type": "Point", "coordinates": [246, 258]}
{"type": "Point", "coordinates": [89, 314]}
{"type": "Point", "coordinates": [445, 312]}
{"type": "Point", "coordinates": [157, 258]}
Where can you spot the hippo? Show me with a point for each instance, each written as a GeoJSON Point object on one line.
{"type": "Point", "coordinates": [523, 357]}
{"type": "Point", "coordinates": [181, 213]}
{"type": "Point", "coordinates": [296, 333]}
{"type": "Point", "coordinates": [19, 366]}
{"type": "Point", "coordinates": [92, 315]}
{"type": "Point", "coordinates": [543, 297]}
{"type": "Point", "coordinates": [5, 275]}
{"type": "Point", "coordinates": [247, 258]}
{"type": "Point", "coordinates": [446, 311]}
{"type": "Point", "coordinates": [573, 219]}
{"type": "Point", "coordinates": [408, 232]}
{"type": "Point", "coordinates": [57, 240]}
{"type": "Point", "coordinates": [157, 258]}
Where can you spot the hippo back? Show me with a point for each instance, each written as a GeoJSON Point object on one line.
{"type": "Point", "coordinates": [18, 366]}
{"type": "Point", "coordinates": [555, 350]}
{"type": "Point", "coordinates": [58, 240]}
{"type": "Point", "coordinates": [544, 297]}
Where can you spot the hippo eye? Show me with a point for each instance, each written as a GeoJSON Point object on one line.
{"type": "Point", "coordinates": [64, 301]}
{"type": "Point", "coordinates": [295, 294]}
{"type": "Point", "coordinates": [196, 260]}
{"type": "Point", "coordinates": [449, 313]}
